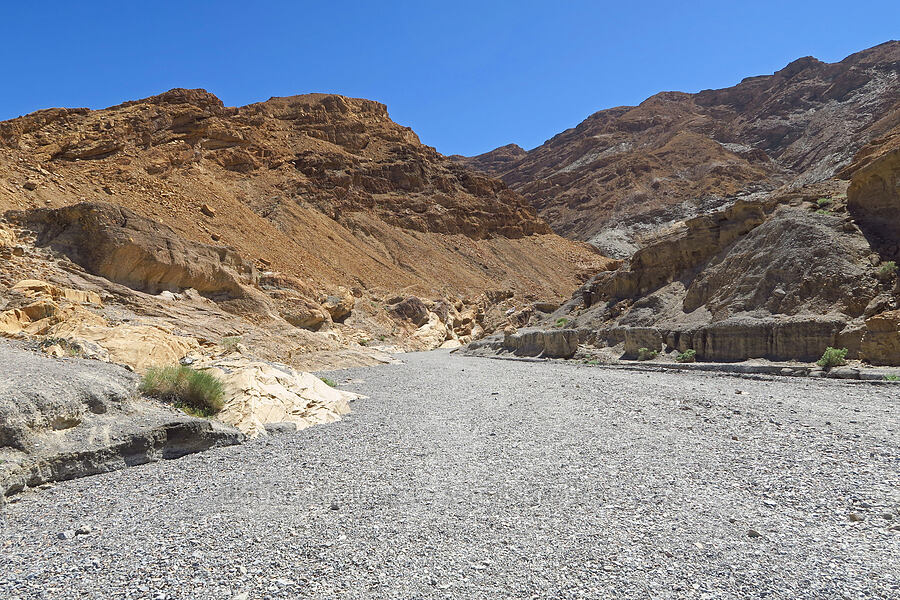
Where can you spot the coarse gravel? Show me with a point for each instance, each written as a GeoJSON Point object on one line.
{"type": "Point", "coordinates": [463, 477]}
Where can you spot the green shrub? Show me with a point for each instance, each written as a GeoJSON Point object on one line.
{"type": "Point", "coordinates": [562, 322]}
{"type": "Point", "coordinates": [892, 377]}
{"type": "Point", "coordinates": [328, 381]}
{"type": "Point", "coordinates": [824, 202]}
{"type": "Point", "coordinates": [688, 356]}
{"type": "Point", "coordinates": [887, 271]}
{"type": "Point", "coordinates": [230, 343]}
{"type": "Point", "coordinates": [195, 392]}
{"type": "Point", "coordinates": [833, 358]}
{"type": "Point", "coordinates": [646, 354]}
{"type": "Point", "coordinates": [72, 349]}
{"type": "Point", "coordinates": [592, 362]}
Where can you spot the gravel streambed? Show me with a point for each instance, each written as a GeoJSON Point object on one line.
{"type": "Point", "coordinates": [469, 478]}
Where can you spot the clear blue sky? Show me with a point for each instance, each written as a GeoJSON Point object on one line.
{"type": "Point", "coordinates": [466, 76]}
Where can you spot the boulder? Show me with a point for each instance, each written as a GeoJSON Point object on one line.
{"type": "Point", "coordinates": [339, 305]}
{"type": "Point", "coordinates": [411, 309]}
{"type": "Point", "coordinates": [304, 313]}
{"type": "Point", "coordinates": [260, 393]}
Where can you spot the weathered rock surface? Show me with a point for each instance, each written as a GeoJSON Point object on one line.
{"type": "Point", "coordinates": [65, 419]}
{"type": "Point", "coordinates": [880, 344]}
{"type": "Point", "coordinates": [543, 343]}
{"type": "Point", "coordinates": [873, 197]}
{"type": "Point", "coordinates": [411, 309]}
{"type": "Point", "coordinates": [124, 247]}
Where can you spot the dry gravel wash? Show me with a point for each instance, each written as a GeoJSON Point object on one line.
{"type": "Point", "coordinates": [473, 478]}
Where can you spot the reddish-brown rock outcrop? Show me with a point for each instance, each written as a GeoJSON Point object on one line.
{"type": "Point", "coordinates": [676, 154]}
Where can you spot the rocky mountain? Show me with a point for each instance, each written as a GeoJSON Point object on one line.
{"type": "Point", "coordinates": [624, 171]}
{"type": "Point", "coordinates": [321, 187]}
{"type": "Point", "coordinates": [781, 277]}
{"type": "Point", "coordinates": [309, 232]}
{"type": "Point", "coordinates": [310, 216]}
{"type": "Point", "coordinates": [757, 222]}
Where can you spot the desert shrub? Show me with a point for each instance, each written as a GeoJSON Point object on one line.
{"type": "Point", "coordinates": [824, 202]}
{"type": "Point", "coordinates": [591, 361]}
{"type": "Point", "coordinates": [72, 349]}
{"type": "Point", "coordinates": [230, 343]}
{"type": "Point", "coordinates": [195, 392]}
{"type": "Point", "coordinates": [688, 356]}
{"type": "Point", "coordinates": [562, 322]}
{"type": "Point", "coordinates": [887, 270]}
{"type": "Point", "coordinates": [647, 354]}
{"type": "Point", "coordinates": [892, 377]}
{"type": "Point", "coordinates": [328, 381]}
{"type": "Point", "coordinates": [833, 357]}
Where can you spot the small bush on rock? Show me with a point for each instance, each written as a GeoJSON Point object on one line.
{"type": "Point", "coordinates": [327, 381]}
{"type": "Point", "coordinates": [824, 202]}
{"type": "Point", "coordinates": [647, 354]}
{"type": "Point", "coordinates": [195, 392]}
{"type": "Point", "coordinates": [562, 322]}
{"type": "Point", "coordinates": [887, 271]}
{"type": "Point", "coordinates": [833, 358]}
{"type": "Point", "coordinates": [688, 356]}
{"type": "Point", "coordinates": [230, 343]}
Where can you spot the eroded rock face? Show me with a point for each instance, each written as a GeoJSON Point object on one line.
{"type": "Point", "coordinates": [780, 280]}
{"type": "Point", "coordinates": [880, 343]}
{"type": "Point", "coordinates": [874, 194]}
{"type": "Point", "coordinates": [552, 343]}
{"type": "Point", "coordinates": [677, 249]}
{"type": "Point", "coordinates": [794, 263]}
{"type": "Point", "coordinates": [345, 154]}
{"type": "Point", "coordinates": [124, 247]}
{"type": "Point", "coordinates": [320, 187]}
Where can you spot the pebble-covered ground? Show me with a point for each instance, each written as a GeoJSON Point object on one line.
{"type": "Point", "coordinates": [474, 478]}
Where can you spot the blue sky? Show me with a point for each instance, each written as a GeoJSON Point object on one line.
{"type": "Point", "coordinates": [466, 76]}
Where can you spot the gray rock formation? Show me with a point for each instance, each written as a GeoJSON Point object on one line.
{"type": "Point", "coordinates": [67, 418]}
